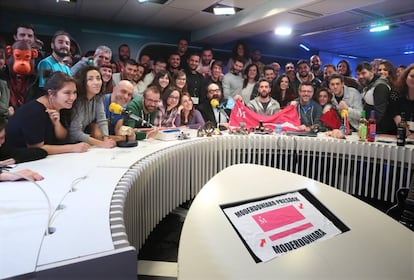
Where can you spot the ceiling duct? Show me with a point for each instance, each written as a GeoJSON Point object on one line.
{"type": "Point", "coordinates": [305, 13]}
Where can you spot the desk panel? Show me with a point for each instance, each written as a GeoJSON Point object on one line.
{"type": "Point", "coordinates": [376, 247]}
{"type": "Point", "coordinates": [124, 193]}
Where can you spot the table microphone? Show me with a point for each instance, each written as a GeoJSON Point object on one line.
{"type": "Point", "coordinates": [216, 104]}
{"type": "Point", "coordinates": [118, 109]}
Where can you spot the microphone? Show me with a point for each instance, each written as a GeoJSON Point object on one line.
{"type": "Point", "coordinates": [118, 109]}
{"type": "Point", "coordinates": [216, 104]}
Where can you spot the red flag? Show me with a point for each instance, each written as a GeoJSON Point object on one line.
{"type": "Point", "coordinates": [288, 118]}
{"type": "Point", "coordinates": [331, 119]}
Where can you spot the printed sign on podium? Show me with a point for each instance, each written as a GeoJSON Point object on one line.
{"type": "Point", "coordinates": [272, 226]}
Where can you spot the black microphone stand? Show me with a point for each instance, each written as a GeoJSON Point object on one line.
{"type": "Point", "coordinates": [126, 143]}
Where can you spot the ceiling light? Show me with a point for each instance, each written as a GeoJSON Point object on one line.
{"type": "Point", "coordinates": [379, 28]}
{"type": "Point", "coordinates": [283, 30]}
{"type": "Point", "coordinates": [304, 47]}
{"type": "Point", "coordinates": [221, 9]}
{"type": "Point", "coordinates": [409, 52]}
{"type": "Point", "coordinates": [224, 11]}
{"type": "Point", "coordinates": [152, 1]}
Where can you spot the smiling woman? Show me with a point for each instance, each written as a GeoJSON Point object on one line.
{"type": "Point", "coordinates": [43, 122]}
{"type": "Point", "coordinates": [89, 123]}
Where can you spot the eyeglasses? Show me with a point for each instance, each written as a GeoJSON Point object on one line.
{"type": "Point", "coordinates": [181, 79]}
{"type": "Point", "coordinates": [174, 97]}
{"type": "Point", "coordinates": [214, 90]}
{"type": "Point", "coordinates": [152, 100]}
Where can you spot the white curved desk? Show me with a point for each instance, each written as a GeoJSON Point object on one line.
{"type": "Point", "coordinates": [122, 194]}
{"type": "Point", "coordinates": [376, 247]}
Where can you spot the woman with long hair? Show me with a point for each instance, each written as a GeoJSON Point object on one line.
{"type": "Point", "coordinates": [44, 122]}
{"type": "Point", "coordinates": [168, 109]}
{"type": "Point", "coordinates": [162, 80]}
{"type": "Point", "coordinates": [344, 68]}
{"type": "Point", "coordinates": [189, 116]}
{"type": "Point", "coordinates": [251, 76]}
{"type": "Point", "coordinates": [282, 92]}
{"type": "Point", "coordinates": [241, 51]}
{"type": "Point", "coordinates": [89, 123]}
{"type": "Point", "coordinates": [330, 118]}
{"type": "Point", "coordinates": [107, 82]}
{"type": "Point", "coordinates": [406, 101]}
{"type": "Point", "coordinates": [180, 80]}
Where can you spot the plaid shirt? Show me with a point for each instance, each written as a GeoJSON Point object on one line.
{"type": "Point", "coordinates": [166, 118]}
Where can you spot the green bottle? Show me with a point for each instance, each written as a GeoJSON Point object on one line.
{"type": "Point", "coordinates": [363, 127]}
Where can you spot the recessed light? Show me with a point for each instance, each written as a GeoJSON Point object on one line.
{"type": "Point", "coordinates": [283, 30]}
{"type": "Point", "coordinates": [224, 11]}
{"type": "Point", "coordinates": [379, 28]}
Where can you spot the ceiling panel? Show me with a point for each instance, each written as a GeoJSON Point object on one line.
{"type": "Point", "coordinates": [102, 9]}
{"type": "Point", "coordinates": [342, 28]}
{"type": "Point", "coordinates": [198, 5]}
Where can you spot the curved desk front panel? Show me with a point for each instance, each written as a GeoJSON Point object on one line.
{"type": "Point", "coordinates": [165, 179]}
{"type": "Point", "coordinates": [122, 194]}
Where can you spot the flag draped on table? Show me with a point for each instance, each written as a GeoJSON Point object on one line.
{"type": "Point", "coordinates": [287, 117]}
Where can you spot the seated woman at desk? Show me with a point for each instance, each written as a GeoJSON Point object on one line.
{"type": "Point", "coordinates": [89, 123]}
{"type": "Point", "coordinates": [189, 116]}
{"type": "Point", "coordinates": [168, 110]}
{"type": "Point", "coordinates": [330, 118]}
{"type": "Point", "coordinates": [10, 155]}
{"type": "Point", "coordinates": [43, 122]}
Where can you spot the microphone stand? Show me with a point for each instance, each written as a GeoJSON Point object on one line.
{"type": "Point", "coordinates": [126, 143]}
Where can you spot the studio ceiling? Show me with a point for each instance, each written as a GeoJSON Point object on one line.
{"type": "Point", "coordinates": [336, 26]}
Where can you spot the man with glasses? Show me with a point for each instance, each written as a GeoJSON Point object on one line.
{"type": "Point", "coordinates": [145, 107]}
{"type": "Point", "coordinates": [214, 110]}
{"type": "Point", "coordinates": [309, 111]}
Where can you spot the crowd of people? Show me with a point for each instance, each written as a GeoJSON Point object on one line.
{"type": "Point", "coordinates": [60, 103]}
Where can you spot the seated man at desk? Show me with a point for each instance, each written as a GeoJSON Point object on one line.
{"type": "Point", "coordinates": [145, 108]}
{"type": "Point", "coordinates": [121, 95]}
{"type": "Point", "coordinates": [213, 110]}
{"type": "Point", "coordinates": [309, 111]}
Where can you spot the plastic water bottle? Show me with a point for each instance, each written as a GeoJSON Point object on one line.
{"type": "Point", "coordinates": [343, 129]}
{"type": "Point", "coordinates": [278, 129]}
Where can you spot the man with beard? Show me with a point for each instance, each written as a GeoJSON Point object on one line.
{"type": "Point", "coordinates": [145, 107]}
{"type": "Point", "coordinates": [214, 112]}
{"type": "Point", "coordinates": [304, 75]}
{"type": "Point", "coordinates": [182, 47]}
{"type": "Point", "coordinates": [124, 53]}
{"type": "Point", "coordinates": [194, 79]}
{"type": "Point", "coordinates": [290, 71]}
{"type": "Point", "coordinates": [264, 104]}
{"type": "Point", "coordinates": [174, 62]}
{"type": "Point", "coordinates": [60, 49]}
{"type": "Point", "coordinates": [233, 80]}
{"type": "Point", "coordinates": [309, 111]}
{"type": "Point", "coordinates": [256, 59]}
{"type": "Point", "coordinates": [215, 77]}
{"type": "Point", "coordinates": [315, 62]}
{"type": "Point", "coordinates": [375, 95]}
